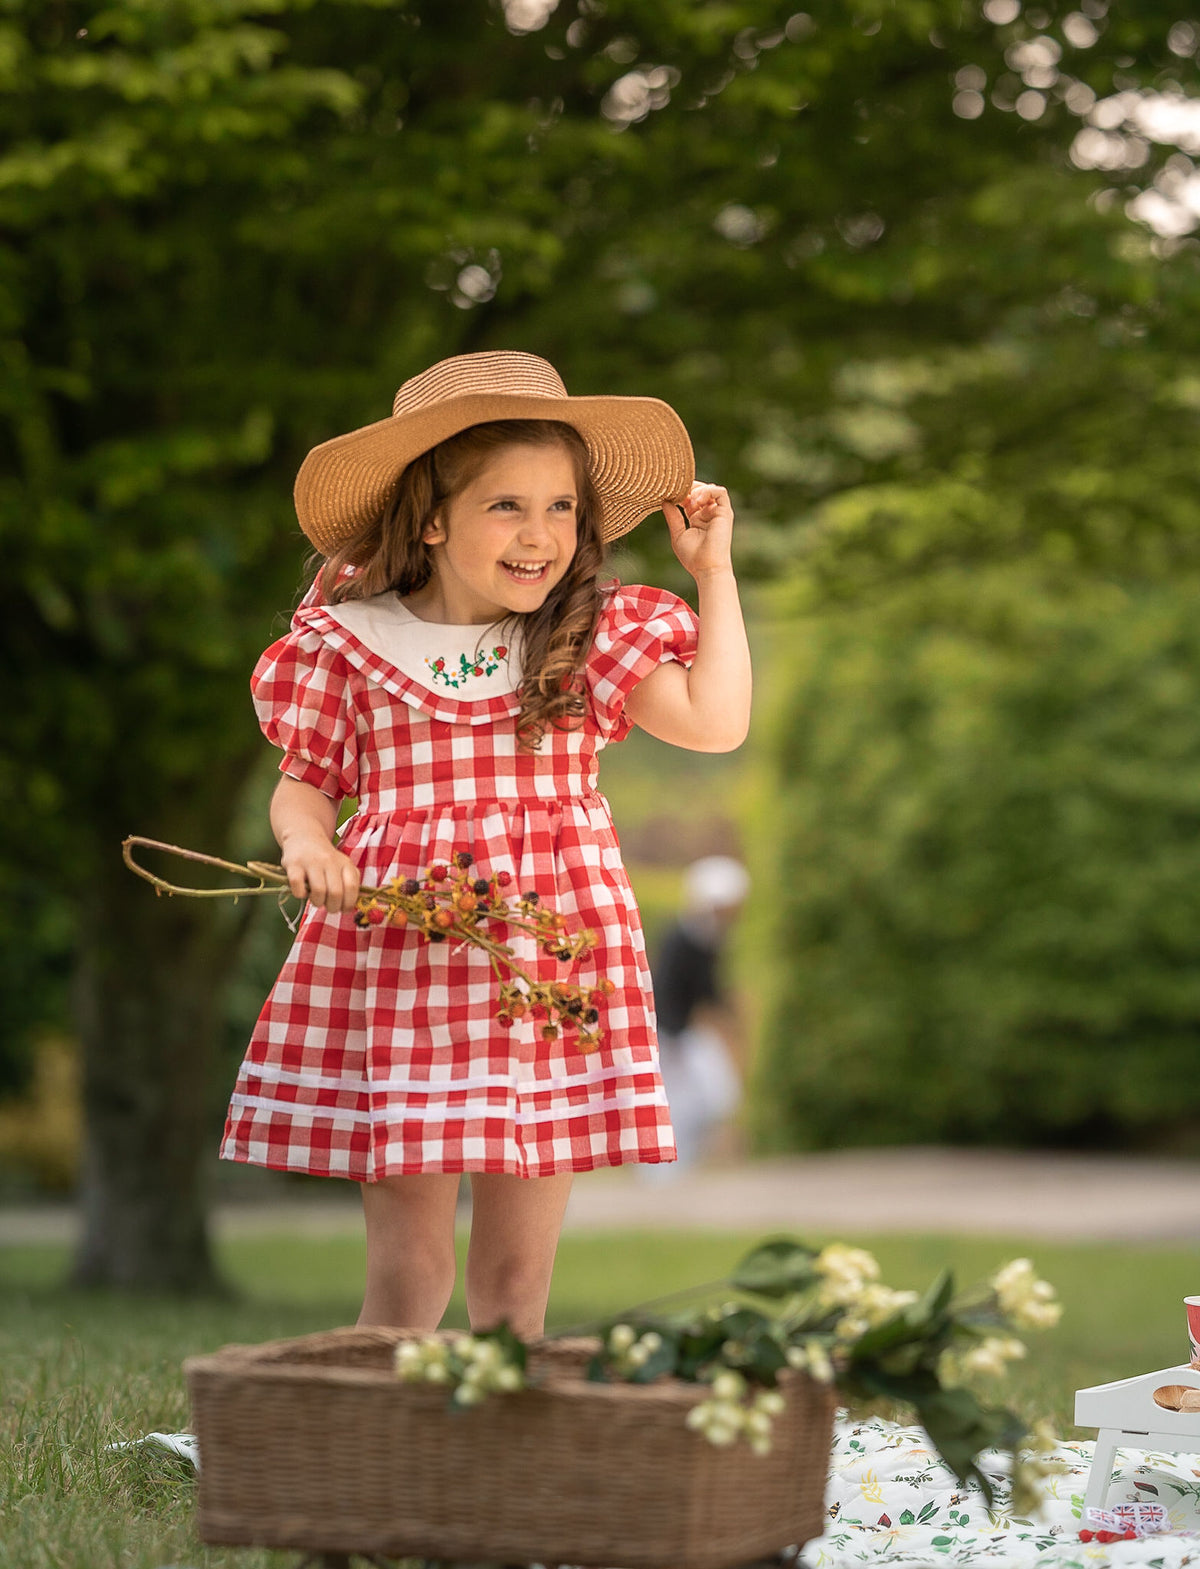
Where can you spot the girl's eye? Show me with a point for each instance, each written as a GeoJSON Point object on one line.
{"type": "Point", "coordinates": [504, 504]}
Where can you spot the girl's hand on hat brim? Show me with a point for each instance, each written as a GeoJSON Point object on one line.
{"type": "Point", "coordinates": [701, 528]}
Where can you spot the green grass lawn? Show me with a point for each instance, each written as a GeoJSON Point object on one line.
{"type": "Point", "coordinates": [81, 1370]}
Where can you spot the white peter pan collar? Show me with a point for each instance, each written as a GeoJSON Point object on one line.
{"type": "Point", "coordinates": [437, 655]}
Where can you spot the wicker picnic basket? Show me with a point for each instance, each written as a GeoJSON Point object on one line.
{"type": "Point", "coordinates": [314, 1443]}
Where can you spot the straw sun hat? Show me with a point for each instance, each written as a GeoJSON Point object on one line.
{"type": "Point", "coordinates": [640, 452]}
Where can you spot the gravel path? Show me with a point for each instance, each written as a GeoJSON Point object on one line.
{"type": "Point", "coordinates": [1069, 1197]}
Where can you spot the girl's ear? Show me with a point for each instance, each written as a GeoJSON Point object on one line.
{"type": "Point", "coordinates": [434, 532]}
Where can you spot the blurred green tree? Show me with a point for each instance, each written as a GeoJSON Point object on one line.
{"type": "Point", "coordinates": [853, 245]}
{"type": "Point", "coordinates": [988, 843]}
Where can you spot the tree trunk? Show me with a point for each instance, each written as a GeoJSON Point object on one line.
{"type": "Point", "coordinates": [150, 984]}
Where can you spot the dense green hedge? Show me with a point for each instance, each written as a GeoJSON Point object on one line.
{"type": "Point", "coordinates": [985, 830]}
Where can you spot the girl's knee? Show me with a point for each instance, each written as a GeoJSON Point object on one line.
{"type": "Point", "coordinates": [514, 1235]}
{"type": "Point", "coordinates": [410, 1227]}
{"type": "Point", "coordinates": [431, 1258]}
{"type": "Point", "coordinates": [417, 1206]}
{"type": "Point", "coordinates": [509, 1290]}
{"type": "Point", "coordinates": [508, 1275]}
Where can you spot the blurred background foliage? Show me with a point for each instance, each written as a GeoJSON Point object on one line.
{"type": "Point", "coordinates": [920, 277]}
{"type": "Point", "coordinates": [988, 837]}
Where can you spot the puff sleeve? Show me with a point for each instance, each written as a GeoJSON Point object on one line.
{"type": "Point", "coordinates": [639, 629]}
{"type": "Point", "coordinates": [313, 597]}
{"type": "Point", "coordinates": [301, 691]}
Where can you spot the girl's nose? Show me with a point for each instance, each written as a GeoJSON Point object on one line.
{"type": "Point", "coordinates": [534, 529]}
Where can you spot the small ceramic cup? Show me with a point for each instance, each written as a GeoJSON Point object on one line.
{"type": "Point", "coordinates": [1192, 1308]}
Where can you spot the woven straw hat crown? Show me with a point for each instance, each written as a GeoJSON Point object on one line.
{"type": "Point", "coordinates": [638, 449]}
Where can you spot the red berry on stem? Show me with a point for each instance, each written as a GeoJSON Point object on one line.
{"type": "Point", "coordinates": [376, 914]}
{"type": "Point", "coordinates": [503, 879]}
{"type": "Point", "coordinates": [438, 873]}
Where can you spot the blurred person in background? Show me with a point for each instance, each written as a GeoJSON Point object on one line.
{"type": "Point", "coordinates": [698, 1035]}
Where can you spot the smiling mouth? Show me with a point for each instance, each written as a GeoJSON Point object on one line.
{"type": "Point", "coordinates": [526, 571]}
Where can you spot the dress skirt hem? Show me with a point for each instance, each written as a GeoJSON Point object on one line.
{"type": "Point", "coordinates": [446, 1168]}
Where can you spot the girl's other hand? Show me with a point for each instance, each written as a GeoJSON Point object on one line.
{"type": "Point", "coordinates": [701, 529]}
{"type": "Point", "coordinates": [318, 871]}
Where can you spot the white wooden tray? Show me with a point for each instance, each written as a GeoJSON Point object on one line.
{"type": "Point", "coordinates": [1127, 1416]}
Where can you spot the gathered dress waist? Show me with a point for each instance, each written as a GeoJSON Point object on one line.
{"type": "Point", "coordinates": [377, 810]}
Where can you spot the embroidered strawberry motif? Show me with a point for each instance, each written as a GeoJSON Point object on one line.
{"type": "Point", "coordinates": [481, 665]}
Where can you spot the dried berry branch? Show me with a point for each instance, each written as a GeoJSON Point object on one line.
{"type": "Point", "coordinates": [271, 879]}
{"type": "Point", "coordinates": [444, 902]}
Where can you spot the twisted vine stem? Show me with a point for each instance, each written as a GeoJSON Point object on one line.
{"type": "Point", "coordinates": [443, 902]}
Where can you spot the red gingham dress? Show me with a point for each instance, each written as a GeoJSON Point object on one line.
{"type": "Point", "coordinates": [378, 1053]}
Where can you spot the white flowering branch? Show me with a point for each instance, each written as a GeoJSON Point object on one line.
{"type": "Point", "coordinates": [826, 1314]}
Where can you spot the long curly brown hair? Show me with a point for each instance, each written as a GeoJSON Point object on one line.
{"type": "Point", "coordinates": [390, 553]}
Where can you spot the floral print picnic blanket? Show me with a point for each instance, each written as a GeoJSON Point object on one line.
{"type": "Point", "coordinates": [891, 1501]}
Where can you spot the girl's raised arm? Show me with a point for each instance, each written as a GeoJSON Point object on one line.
{"type": "Point", "coordinates": [706, 708]}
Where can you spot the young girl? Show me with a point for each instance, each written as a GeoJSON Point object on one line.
{"type": "Point", "coordinates": [457, 668]}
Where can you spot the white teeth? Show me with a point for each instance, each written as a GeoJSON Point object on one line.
{"type": "Point", "coordinates": [525, 569]}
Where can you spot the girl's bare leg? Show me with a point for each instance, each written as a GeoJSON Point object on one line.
{"type": "Point", "coordinates": [410, 1249]}
{"type": "Point", "coordinates": [515, 1222]}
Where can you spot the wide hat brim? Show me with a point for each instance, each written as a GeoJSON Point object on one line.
{"type": "Point", "coordinates": [640, 456]}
